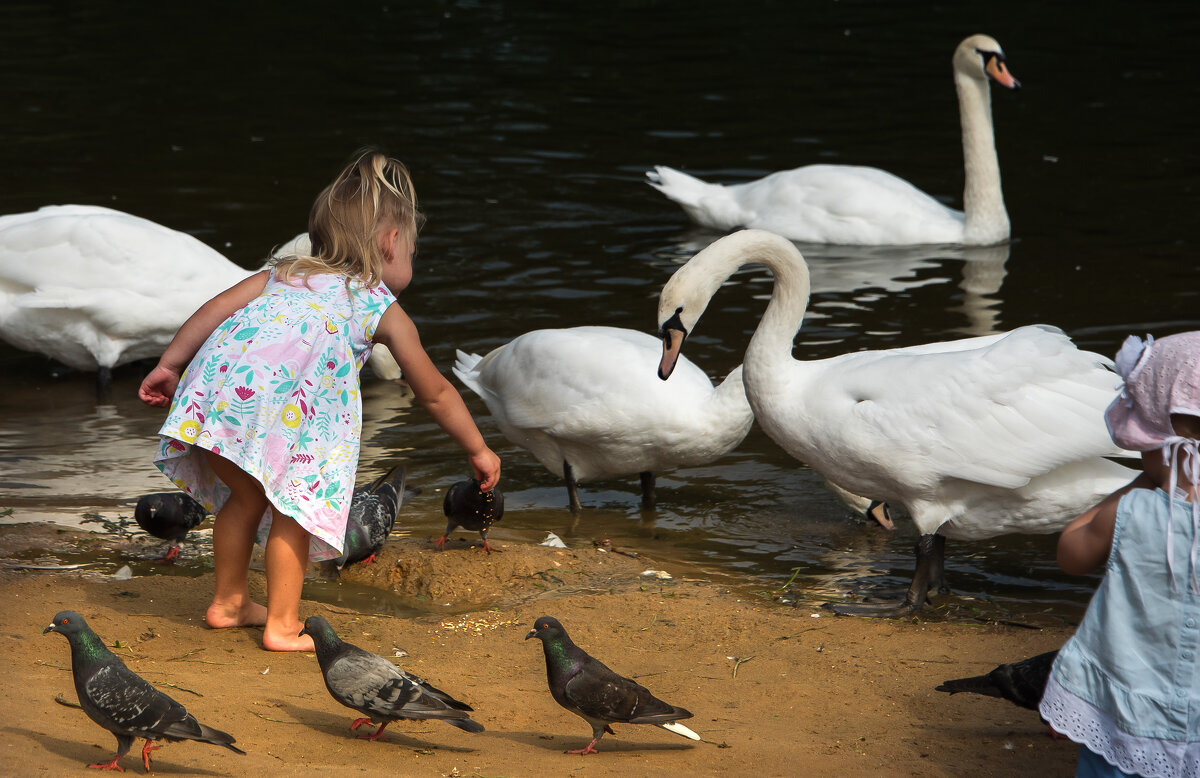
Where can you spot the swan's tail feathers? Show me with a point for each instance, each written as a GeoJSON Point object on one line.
{"type": "Point", "coordinates": [680, 187]}
{"type": "Point", "coordinates": [464, 368]}
{"type": "Point", "coordinates": [709, 205]}
{"type": "Point", "coordinates": [679, 729]}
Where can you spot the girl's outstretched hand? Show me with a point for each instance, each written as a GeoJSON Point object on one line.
{"type": "Point", "coordinates": [158, 388]}
{"type": "Point", "coordinates": [487, 468]}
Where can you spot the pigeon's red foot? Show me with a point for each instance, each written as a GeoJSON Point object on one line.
{"type": "Point", "coordinates": [589, 749]}
{"type": "Point", "coordinates": [146, 754]}
{"type": "Point", "coordinates": [440, 543]}
{"type": "Point", "coordinates": [170, 557]}
{"type": "Point", "coordinates": [489, 548]}
{"type": "Point", "coordinates": [377, 734]}
{"type": "Point", "coordinates": [109, 765]}
{"type": "Point", "coordinates": [368, 560]}
{"type": "Point", "coordinates": [359, 722]}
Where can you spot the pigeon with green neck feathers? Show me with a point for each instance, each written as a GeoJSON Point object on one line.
{"type": "Point", "coordinates": [370, 684]}
{"type": "Point", "coordinates": [587, 688]}
{"type": "Point", "coordinates": [122, 702]}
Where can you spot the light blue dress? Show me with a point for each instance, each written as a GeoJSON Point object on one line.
{"type": "Point", "coordinates": [1127, 684]}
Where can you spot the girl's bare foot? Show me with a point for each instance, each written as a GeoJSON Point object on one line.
{"type": "Point", "coordinates": [287, 640]}
{"type": "Point", "coordinates": [245, 614]}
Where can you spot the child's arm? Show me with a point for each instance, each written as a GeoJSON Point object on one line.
{"type": "Point", "coordinates": [1086, 542]}
{"type": "Point", "coordinates": [159, 386]}
{"type": "Point", "coordinates": [436, 394]}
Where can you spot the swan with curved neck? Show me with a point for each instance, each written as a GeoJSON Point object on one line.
{"type": "Point", "coordinates": [975, 437]}
{"type": "Point", "coordinates": [585, 403]}
{"type": "Point", "coordinates": [853, 205]}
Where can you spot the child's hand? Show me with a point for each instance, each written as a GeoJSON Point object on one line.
{"type": "Point", "coordinates": [487, 468]}
{"type": "Point", "coordinates": [158, 388]}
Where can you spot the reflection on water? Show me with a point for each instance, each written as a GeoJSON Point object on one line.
{"type": "Point", "coordinates": [529, 135]}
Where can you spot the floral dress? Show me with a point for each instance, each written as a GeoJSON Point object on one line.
{"type": "Point", "coordinates": [275, 390]}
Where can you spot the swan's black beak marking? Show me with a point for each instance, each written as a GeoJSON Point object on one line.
{"type": "Point", "coordinates": [673, 335]}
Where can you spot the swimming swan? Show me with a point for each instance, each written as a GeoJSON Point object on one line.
{"type": "Point", "coordinates": [974, 437]}
{"type": "Point", "coordinates": [584, 401]}
{"type": "Point", "coordinates": [846, 204]}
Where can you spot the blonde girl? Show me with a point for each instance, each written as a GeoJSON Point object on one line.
{"type": "Point", "coordinates": [265, 422]}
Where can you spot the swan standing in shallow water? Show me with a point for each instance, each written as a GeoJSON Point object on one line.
{"type": "Point", "coordinates": [854, 205]}
{"type": "Point", "coordinates": [584, 401]}
{"type": "Point", "coordinates": [975, 437]}
{"type": "Point", "coordinates": [95, 288]}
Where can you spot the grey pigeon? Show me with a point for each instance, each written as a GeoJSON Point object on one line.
{"type": "Point", "coordinates": [169, 516]}
{"type": "Point", "coordinates": [587, 688]}
{"type": "Point", "coordinates": [370, 684]}
{"type": "Point", "coordinates": [373, 511]}
{"type": "Point", "coordinates": [469, 507]}
{"type": "Point", "coordinates": [122, 702]}
{"type": "Point", "coordinates": [1021, 683]}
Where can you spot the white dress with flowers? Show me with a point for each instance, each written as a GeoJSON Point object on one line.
{"type": "Point", "coordinates": [275, 390]}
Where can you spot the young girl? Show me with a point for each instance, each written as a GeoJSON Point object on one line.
{"type": "Point", "coordinates": [265, 422]}
{"type": "Point", "coordinates": [1126, 686]}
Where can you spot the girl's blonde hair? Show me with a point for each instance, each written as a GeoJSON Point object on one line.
{"type": "Point", "coordinates": [372, 194]}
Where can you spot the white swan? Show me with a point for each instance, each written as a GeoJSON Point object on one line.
{"type": "Point", "coordinates": [846, 204]}
{"type": "Point", "coordinates": [974, 437]}
{"type": "Point", "coordinates": [584, 401]}
{"type": "Point", "coordinates": [95, 288]}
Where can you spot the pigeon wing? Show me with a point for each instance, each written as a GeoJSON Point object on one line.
{"type": "Point", "coordinates": [127, 704]}
{"type": "Point", "coordinates": [602, 694]}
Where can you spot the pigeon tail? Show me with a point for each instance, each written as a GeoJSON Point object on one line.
{"type": "Point", "coordinates": [465, 724]}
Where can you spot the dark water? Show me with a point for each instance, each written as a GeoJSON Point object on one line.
{"type": "Point", "coordinates": [528, 127]}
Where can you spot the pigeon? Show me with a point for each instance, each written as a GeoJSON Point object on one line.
{"type": "Point", "coordinates": [373, 511]}
{"type": "Point", "coordinates": [121, 701]}
{"type": "Point", "coordinates": [1021, 683]}
{"type": "Point", "coordinates": [587, 688]}
{"type": "Point", "coordinates": [169, 516]}
{"type": "Point", "coordinates": [370, 684]}
{"type": "Point", "coordinates": [471, 508]}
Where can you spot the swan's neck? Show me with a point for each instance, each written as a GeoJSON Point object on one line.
{"type": "Point", "coordinates": [772, 340]}
{"type": "Point", "coordinates": [983, 200]}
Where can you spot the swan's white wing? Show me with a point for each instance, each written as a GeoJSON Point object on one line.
{"type": "Point", "coordinates": [95, 248]}
{"type": "Point", "coordinates": [89, 285]}
{"type": "Point", "coordinates": [999, 415]}
{"type": "Point", "coordinates": [846, 204]}
{"type": "Point", "coordinates": [583, 381]}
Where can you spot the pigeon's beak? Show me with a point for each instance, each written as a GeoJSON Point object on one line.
{"type": "Point", "coordinates": [48, 629]}
{"type": "Point", "coordinates": [533, 633]}
{"type": "Point", "coordinates": [303, 631]}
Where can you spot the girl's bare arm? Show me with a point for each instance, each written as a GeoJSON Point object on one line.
{"type": "Point", "coordinates": [436, 394]}
{"type": "Point", "coordinates": [159, 386]}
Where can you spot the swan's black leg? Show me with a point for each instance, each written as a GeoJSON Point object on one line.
{"type": "Point", "coordinates": [929, 575]}
{"type": "Point", "coordinates": [572, 487]}
{"type": "Point", "coordinates": [104, 384]}
{"type": "Point", "coordinates": [649, 499]}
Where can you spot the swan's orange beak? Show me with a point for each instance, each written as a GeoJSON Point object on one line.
{"type": "Point", "coordinates": [999, 72]}
{"type": "Point", "coordinates": [672, 346]}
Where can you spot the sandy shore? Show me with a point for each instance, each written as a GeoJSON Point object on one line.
{"type": "Point", "coordinates": [775, 689]}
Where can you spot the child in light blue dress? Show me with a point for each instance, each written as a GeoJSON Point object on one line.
{"type": "Point", "coordinates": [1126, 686]}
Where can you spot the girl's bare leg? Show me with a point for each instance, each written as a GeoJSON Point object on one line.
{"type": "Point", "coordinates": [287, 557]}
{"type": "Point", "coordinates": [233, 542]}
